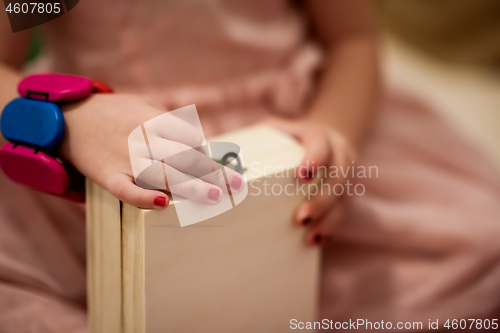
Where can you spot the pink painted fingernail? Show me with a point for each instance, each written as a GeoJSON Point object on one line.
{"type": "Point", "coordinates": [160, 201]}
{"type": "Point", "coordinates": [306, 174]}
{"type": "Point", "coordinates": [214, 194]}
{"type": "Point", "coordinates": [320, 240]}
{"type": "Point", "coordinates": [317, 239]}
{"type": "Point", "coordinates": [236, 183]}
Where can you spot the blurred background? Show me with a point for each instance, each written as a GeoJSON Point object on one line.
{"type": "Point", "coordinates": [445, 51]}
{"type": "Point", "coordinates": [448, 53]}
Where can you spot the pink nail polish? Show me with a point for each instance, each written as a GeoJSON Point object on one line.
{"type": "Point", "coordinates": [236, 183]}
{"type": "Point", "coordinates": [306, 174]}
{"type": "Point", "coordinates": [321, 240]}
{"type": "Point", "coordinates": [214, 194]}
{"type": "Point", "coordinates": [160, 201]}
{"type": "Point", "coordinates": [317, 239]}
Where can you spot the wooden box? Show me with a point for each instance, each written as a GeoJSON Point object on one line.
{"type": "Point", "coordinates": [246, 270]}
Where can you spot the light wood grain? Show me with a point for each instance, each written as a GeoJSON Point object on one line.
{"type": "Point", "coordinates": [133, 270]}
{"type": "Point", "coordinates": [103, 260]}
{"type": "Point", "coordinates": [246, 270]}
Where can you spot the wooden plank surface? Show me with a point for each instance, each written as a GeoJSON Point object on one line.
{"type": "Point", "coordinates": [103, 260]}
{"type": "Point", "coordinates": [133, 269]}
{"type": "Point", "coordinates": [246, 270]}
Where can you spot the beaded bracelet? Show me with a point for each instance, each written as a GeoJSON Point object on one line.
{"type": "Point", "coordinates": [34, 125]}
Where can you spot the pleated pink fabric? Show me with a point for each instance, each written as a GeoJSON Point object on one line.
{"type": "Point", "coordinates": [422, 243]}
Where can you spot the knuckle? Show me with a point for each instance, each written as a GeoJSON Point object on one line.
{"type": "Point", "coordinates": [117, 187]}
{"type": "Point", "coordinates": [194, 138]}
{"type": "Point", "coordinates": [191, 135]}
{"type": "Point", "coordinates": [161, 173]}
{"type": "Point", "coordinates": [192, 158]}
{"type": "Point", "coordinates": [198, 139]}
{"type": "Point", "coordinates": [199, 188]}
{"type": "Point", "coordinates": [142, 199]}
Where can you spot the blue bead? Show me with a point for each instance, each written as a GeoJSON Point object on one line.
{"type": "Point", "coordinates": [32, 122]}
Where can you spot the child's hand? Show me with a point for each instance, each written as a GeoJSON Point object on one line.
{"type": "Point", "coordinates": [324, 148]}
{"type": "Point", "coordinates": [96, 142]}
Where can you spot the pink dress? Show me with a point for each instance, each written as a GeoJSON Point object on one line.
{"type": "Point", "coordinates": [422, 243]}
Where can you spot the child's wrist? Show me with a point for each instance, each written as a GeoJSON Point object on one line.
{"type": "Point", "coordinates": [35, 126]}
{"type": "Point", "coordinates": [8, 90]}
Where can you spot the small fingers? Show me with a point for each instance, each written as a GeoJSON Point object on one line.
{"type": "Point", "coordinates": [320, 232]}
{"type": "Point", "coordinates": [170, 127]}
{"type": "Point", "coordinates": [158, 175]}
{"type": "Point", "coordinates": [326, 194]}
{"type": "Point", "coordinates": [190, 162]}
{"type": "Point", "coordinates": [318, 154]}
{"type": "Point", "coordinates": [316, 144]}
{"type": "Point", "coordinates": [180, 156]}
{"type": "Point", "coordinates": [334, 185]}
{"type": "Point", "coordinates": [123, 188]}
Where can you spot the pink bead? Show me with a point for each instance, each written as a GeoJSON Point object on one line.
{"type": "Point", "coordinates": [33, 168]}
{"type": "Point", "coordinates": [55, 87]}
